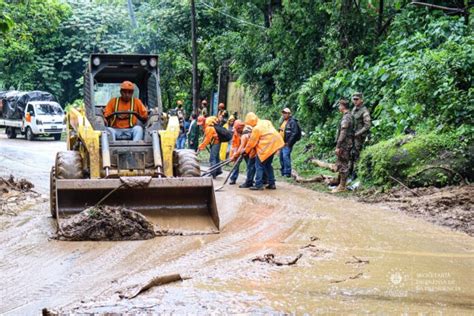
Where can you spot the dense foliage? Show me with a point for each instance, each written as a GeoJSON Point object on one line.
{"type": "Point", "coordinates": [421, 160]}
{"type": "Point", "coordinates": [413, 63]}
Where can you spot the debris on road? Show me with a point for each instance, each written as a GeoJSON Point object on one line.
{"type": "Point", "coordinates": [270, 258]}
{"type": "Point", "coordinates": [14, 194]}
{"type": "Point", "coordinates": [157, 281]}
{"type": "Point", "coordinates": [106, 223]}
{"type": "Point", "coordinates": [48, 312]}
{"type": "Point", "coordinates": [317, 178]}
{"type": "Point", "coordinates": [449, 206]}
{"type": "Point", "coordinates": [358, 275]}
{"type": "Point", "coordinates": [315, 251]}
{"type": "Point", "coordinates": [308, 246]}
{"type": "Point", "coordinates": [357, 261]}
{"type": "Point", "coordinates": [174, 232]}
{"type": "Point", "coordinates": [323, 164]}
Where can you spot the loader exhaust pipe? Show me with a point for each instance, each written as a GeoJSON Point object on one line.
{"type": "Point", "coordinates": [158, 160]}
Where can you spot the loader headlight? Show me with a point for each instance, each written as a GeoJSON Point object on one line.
{"type": "Point", "coordinates": [143, 62]}
{"type": "Point", "coordinates": [153, 62]}
{"type": "Point", "coordinates": [96, 61]}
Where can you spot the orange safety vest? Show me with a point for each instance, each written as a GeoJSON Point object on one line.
{"type": "Point", "coordinates": [132, 106]}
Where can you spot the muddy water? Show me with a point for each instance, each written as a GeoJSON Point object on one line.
{"type": "Point", "coordinates": [413, 266]}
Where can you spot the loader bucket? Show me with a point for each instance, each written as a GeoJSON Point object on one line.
{"type": "Point", "coordinates": [177, 204]}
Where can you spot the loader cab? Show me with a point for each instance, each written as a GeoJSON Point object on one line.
{"type": "Point", "coordinates": [104, 75]}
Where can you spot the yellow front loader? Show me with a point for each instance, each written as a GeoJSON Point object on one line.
{"type": "Point", "coordinates": [148, 176]}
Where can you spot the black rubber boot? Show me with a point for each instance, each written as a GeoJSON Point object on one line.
{"type": "Point", "coordinates": [245, 185]}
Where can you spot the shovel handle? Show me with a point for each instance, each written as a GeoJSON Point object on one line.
{"type": "Point", "coordinates": [216, 166]}
{"type": "Point", "coordinates": [230, 173]}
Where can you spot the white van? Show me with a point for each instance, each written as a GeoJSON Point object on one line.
{"type": "Point", "coordinates": [41, 118]}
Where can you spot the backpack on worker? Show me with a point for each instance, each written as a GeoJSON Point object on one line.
{"type": "Point", "coordinates": [223, 133]}
{"type": "Point", "coordinates": [298, 131]}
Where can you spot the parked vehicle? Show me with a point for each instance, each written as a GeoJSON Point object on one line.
{"type": "Point", "coordinates": [32, 114]}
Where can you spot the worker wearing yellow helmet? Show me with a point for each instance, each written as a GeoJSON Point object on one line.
{"type": "Point", "coordinates": [211, 138]}
{"type": "Point", "coordinates": [266, 141]}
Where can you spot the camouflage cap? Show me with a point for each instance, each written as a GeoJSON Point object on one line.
{"type": "Point", "coordinates": [357, 95]}
{"type": "Point", "coordinates": [343, 102]}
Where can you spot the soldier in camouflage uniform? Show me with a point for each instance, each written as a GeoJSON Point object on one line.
{"type": "Point", "coordinates": [344, 142]}
{"type": "Point", "coordinates": [362, 124]}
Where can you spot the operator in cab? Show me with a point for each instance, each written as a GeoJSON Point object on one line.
{"type": "Point", "coordinates": [125, 125]}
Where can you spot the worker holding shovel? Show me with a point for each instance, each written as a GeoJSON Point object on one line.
{"type": "Point", "coordinates": [266, 141]}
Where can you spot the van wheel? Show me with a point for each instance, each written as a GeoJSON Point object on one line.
{"type": "Point", "coordinates": [29, 134]}
{"type": "Point", "coordinates": [187, 164]}
{"type": "Point", "coordinates": [11, 132]}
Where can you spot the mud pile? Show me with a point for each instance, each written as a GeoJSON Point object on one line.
{"type": "Point", "coordinates": [449, 206]}
{"type": "Point", "coordinates": [106, 223]}
{"type": "Point", "coordinates": [14, 194]}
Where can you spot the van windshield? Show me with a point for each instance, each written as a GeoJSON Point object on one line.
{"type": "Point", "coordinates": [48, 109]}
{"type": "Point", "coordinates": [103, 92]}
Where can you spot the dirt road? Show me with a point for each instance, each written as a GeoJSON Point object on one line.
{"type": "Point", "coordinates": [355, 257]}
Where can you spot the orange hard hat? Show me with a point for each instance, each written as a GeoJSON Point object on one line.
{"type": "Point", "coordinates": [251, 119]}
{"type": "Point", "coordinates": [127, 85]}
{"type": "Point", "coordinates": [201, 120]}
{"type": "Point", "coordinates": [239, 124]}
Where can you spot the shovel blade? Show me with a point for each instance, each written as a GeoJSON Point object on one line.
{"type": "Point", "coordinates": [177, 204]}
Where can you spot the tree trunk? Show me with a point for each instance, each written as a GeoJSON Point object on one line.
{"type": "Point", "coordinates": [380, 18]}
{"type": "Point", "coordinates": [195, 58]}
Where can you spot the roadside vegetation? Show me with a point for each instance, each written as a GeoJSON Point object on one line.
{"type": "Point", "coordinates": [413, 63]}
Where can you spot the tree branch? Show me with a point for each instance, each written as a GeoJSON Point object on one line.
{"type": "Point", "coordinates": [439, 7]}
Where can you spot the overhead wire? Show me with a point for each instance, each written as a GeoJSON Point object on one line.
{"type": "Point", "coordinates": [230, 16]}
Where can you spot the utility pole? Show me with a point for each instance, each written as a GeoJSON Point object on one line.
{"type": "Point", "coordinates": [132, 14]}
{"type": "Point", "coordinates": [195, 59]}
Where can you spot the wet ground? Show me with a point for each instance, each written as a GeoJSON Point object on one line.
{"type": "Point", "coordinates": [451, 206]}
{"type": "Point", "coordinates": [354, 257]}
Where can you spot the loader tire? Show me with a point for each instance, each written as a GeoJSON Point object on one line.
{"type": "Point", "coordinates": [69, 165]}
{"type": "Point", "coordinates": [52, 192]}
{"type": "Point", "coordinates": [187, 164]}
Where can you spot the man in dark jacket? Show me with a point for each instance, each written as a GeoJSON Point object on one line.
{"type": "Point", "coordinates": [193, 133]}
{"type": "Point", "coordinates": [289, 131]}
